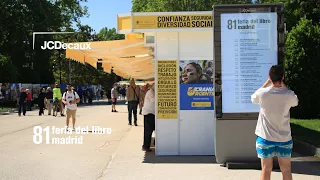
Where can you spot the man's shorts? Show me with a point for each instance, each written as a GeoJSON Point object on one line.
{"type": "Point", "coordinates": [269, 149]}
{"type": "Point", "coordinates": [71, 113]}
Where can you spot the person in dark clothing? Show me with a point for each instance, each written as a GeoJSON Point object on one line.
{"type": "Point", "coordinates": [149, 118]}
{"type": "Point", "coordinates": [49, 100]}
{"type": "Point", "coordinates": [101, 94]}
{"type": "Point", "coordinates": [80, 92]}
{"type": "Point", "coordinates": [41, 99]}
{"type": "Point", "coordinates": [90, 95]}
{"type": "Point", "coordinates": [133, 97]}
{"type": "Point", "coordinates": [22, 102]}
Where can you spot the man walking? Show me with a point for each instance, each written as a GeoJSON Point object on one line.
{"type": "Point", "coordinates": [273, 127]}
{"type": "Point", "coordinates": [114, 96]}
{"type": "Point", "coordinates": [57, 94]}
{"type": "Point", "coordinates": [133, 98]}
{"type": "Point", "coordinates": [49, 100]}
{"type": "Point", "coordinates": [70, 99]}
{"type": "Point", "coordinates": [22, 100]}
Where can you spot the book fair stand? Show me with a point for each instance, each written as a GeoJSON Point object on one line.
{"type": "Point", "coordinates": [205, 66]}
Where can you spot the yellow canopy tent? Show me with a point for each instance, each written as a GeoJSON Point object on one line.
{"type": "Point", "coordinates": [129, 58]}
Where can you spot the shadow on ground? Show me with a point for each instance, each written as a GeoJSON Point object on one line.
{"type": "Point", "coordinates": [307, 135]}
{"type": "Point", "coordinates": [151, 158]}
{"type": "Point", "coordinates": [305, 167]}
{"type": "Point", "coordinates": [103, 102]}
{"type": "Point", "coordinates": [300, 164]}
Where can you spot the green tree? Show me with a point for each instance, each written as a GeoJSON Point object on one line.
{"type": "Point", "coordinates": [178, 5]}
{"type": "Point", "coordinates": [303, 67]}
{"type": "Point", "coordinates": [19, 19]}
{"type": "Point", "coordinates": [106, 34]}
{"type": "Point", "coordinates": [295, 9]}
{"type": "Point", "coordinates": [8, 72]}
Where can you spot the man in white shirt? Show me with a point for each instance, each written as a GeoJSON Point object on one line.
{"type": "Point", "coordinates": [149, 118]}
{"type": "Point", "coordinates": [273, 127]}
{"type": "Point", "coordinates": [70, 99]}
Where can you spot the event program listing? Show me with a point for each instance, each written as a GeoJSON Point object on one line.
{"type": "Point", "coordinates": [38, 137]}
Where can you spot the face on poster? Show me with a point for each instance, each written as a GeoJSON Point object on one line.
{"type": "Point", "coordinates": [196, 85]}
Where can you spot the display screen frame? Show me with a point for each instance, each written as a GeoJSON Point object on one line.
{"type": "Point", "coordinates": [244, 8]}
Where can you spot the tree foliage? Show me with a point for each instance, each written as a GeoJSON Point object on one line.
{"type": "Point", "coordinates": [178, 5]}
{"type": "Point", "coordinates": [303, 67]}
{"type": "Point", "coordinates": [19, 19]}
{"type": "Point", "coordinates": [20, 62]}
{"type": "Point", "coordinates": [106, 34]}
{"type": "Point", "coordinates": [297, 9]}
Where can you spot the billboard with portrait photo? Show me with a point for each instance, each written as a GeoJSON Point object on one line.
{"type": "Point", "coordinates": [196, 85]}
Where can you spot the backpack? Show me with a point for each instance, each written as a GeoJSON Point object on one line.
{"type": "Point", "coordinates": [65, 93]}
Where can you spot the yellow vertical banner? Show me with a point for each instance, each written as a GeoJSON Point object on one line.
{"type": "Point", "coordinates": [167, 89]}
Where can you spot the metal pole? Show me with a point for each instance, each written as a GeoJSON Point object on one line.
{"type": "Point", "coordinates": [69, 71]}
{"type": "Point", "coordinates": [60, 66]}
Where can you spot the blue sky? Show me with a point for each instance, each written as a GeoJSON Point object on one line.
{"type": "Point", "coordinates": [103, 13]}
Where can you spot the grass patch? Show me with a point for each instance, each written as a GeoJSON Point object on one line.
{"type": "Point", "coordinates": [306, 130]}
{"type": "Point", "coordinates": [4, 108]}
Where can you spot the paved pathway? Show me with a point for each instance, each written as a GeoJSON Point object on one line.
{"type": "Point", "coordinates": [117, 156]}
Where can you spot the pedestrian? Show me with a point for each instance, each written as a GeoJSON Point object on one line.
{"type": "Point", "coordinates": [49, 100]}
{"type": "Point", "coordinates": [58, 95]}
{"type": "Point", "coordinates": [98, 94]}
{"type": "Point", "coordinates": [114, 96]}
{"type": "Point", "coordinates": [90, 95]}
{"type": "Point", "coordinates": [80, 93]}
{"type": "Point", "coordinates": [70, 99]}
{"type": "Point", "coordinates": [101, 93]}
{"type": "Point", "coordinates": [29, 99]}
{"type": "Point", "coordinates": [149, 118]}
{"type": "Point", "coordinates": [273, 126]}
{"type": "Point", "coordinates": [22, 100]}
{"type": "Point", "coordinates": [133, 97]}
{"type": "Point", "coordinates": [41, 101]}
{"type": "Point", "coordinates": [85, 96]}
{"type": "Point", "coordinates": [142, 96]}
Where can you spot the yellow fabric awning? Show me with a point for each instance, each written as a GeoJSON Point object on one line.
{"type": "Point", "coordinates": [128, 58]}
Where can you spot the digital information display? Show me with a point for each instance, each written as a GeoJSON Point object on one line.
{"type": "Point", "coordinates": [248, 50]}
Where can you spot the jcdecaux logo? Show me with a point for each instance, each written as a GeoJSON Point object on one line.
{"type": "Point", "coordinates": [61, 45]}
{"type": "Point", "coordinates": [58, 44]}
{"type": "Point", "coordinates": [200, 91]}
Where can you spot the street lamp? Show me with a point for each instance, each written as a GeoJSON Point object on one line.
{"type": "Point", "coordinates": [60, 65]}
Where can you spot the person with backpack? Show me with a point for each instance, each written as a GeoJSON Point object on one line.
{"type": "Point", "coordinates": [70, 99]}
{"type": "Point", "coordinates": [57, 95]}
